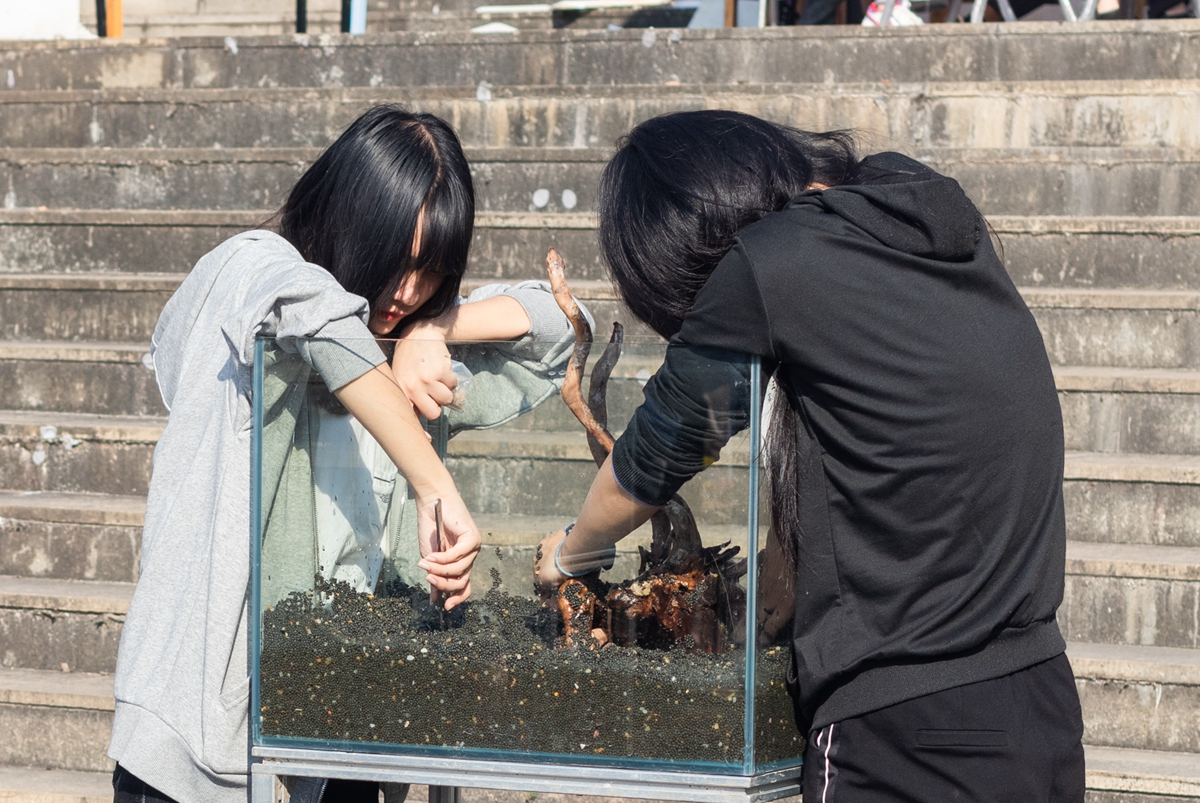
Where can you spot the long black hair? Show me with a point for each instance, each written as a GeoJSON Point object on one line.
{"type": "Point", "coordinates": [355, 211]}
{"type": "Point", "coordinates": [672, 200]}
{"type": "Point", "coordinates": [682, 185]}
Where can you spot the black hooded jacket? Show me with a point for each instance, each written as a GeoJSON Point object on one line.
{"type": "Point", "coordinates": [931, 450]}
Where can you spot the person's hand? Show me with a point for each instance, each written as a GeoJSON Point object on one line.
{"type": "Point", "coordinates": [421, 365]}
{"type": "Point", "coordinates": [546, 575]}
{"type": "Point", "coordinates": [447, 561]}
{"type": "Point", "coordinates": [777, 590]}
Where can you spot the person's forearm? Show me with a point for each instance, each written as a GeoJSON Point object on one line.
{"type": "Point", "coordinates": [496, 318]}
{"type": "Point", "coordinates": [608, 515]}
{"type": "Point", "coordinates": [382, 408]}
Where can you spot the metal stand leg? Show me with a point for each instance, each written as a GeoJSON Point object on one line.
{"type": "Point", "coordinates": [445, 794]}
{"type": "Point", "coordinates": [262, 788]}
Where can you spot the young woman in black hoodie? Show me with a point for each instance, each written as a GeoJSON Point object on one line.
{"type": "Point", "coordinates": [916, 451]}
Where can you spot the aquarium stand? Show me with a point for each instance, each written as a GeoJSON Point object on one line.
{"type": "Point", "coordinates": [693, 787]}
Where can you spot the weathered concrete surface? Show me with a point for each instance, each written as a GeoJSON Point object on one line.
{"type": "Point", "coordinates": [48, 639]}
{"type": "Point", "coordinates": [1095, 182]}
{"type": "Point", "coordinates": [55, 738]}
{"type": "Point", "coordinates": [1063, 252]}
{"type": "Point", "coordinates": [927, 114]}
{"type": "Point", "coordinates": [60, 309]}
{"type": "Point", "coordinates": [1133, 512]}
{"type": "Point", "coordinates": [55, 720]}
{"type": "Point", "coordinates": [46, 623]}
{"type": "Point", "coordinates": [1132, 594]}
{"type": "Point", "coordinates": [107, 380]}
{"type": "Point", "coordinates": [1027, 51]}
{"type": "Point", "coordinates": [1156, 423]}
{"type": "Point", "coordinates": [43, 451]}
{"type": "Point", "coordinates": [69, 550]}
{"type": "Point", "coordinates": [1127, 338]}
{"type": "Point", "coordinates": [70, 536]}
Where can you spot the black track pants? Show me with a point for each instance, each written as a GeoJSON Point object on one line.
{"type": "Point", "coordinates": [1015, 739]}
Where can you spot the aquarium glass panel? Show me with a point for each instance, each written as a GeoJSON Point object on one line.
{"type": "Point", "coordinates": [644, 665]}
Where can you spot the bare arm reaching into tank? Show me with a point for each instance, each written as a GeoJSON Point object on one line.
{"type": "Point", "coordinates": [382, 408]}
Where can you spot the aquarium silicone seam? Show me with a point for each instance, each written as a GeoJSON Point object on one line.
{"type": "Point", "coordinates": [752, 558]}
{"type": "Point", "coordinates": [256, 425]}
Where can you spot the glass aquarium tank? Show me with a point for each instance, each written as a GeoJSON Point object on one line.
{"type": "Point", "coordinates": [652, 679]}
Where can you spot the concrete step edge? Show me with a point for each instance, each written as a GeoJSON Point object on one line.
{"type": "Point", "coordinates": [1141, 468]}
{"type": "Point", "coordinates": [134, 157]}
{"type": "Point", "coordinates": [72, 596]}
{"type": "Point", "coordinates": [72, 428]}
{"type": "Point", "coordinates": [1079, 379]}
{"type": "Point", "coordinates": [1171, 89]}
{"type": "Point", "coordinates": [73, 508]}
{"type": "Point", "coordinates": [1144, 561]}
{"type": "Point", "coordinates": [1115, 298]}
{"type": "Point", "coordinates": [1089, 379]}
{"type": "Point", "coordinates": [1116, 769]}
{"type": "Point", "coordinates": [37, 785]}
{"type": "Point", "coordinates": [71, 351]}
{"type": "Point", "coordinates": [1155, 226]}
{"type": "Point", "coordinates": [1120, 298]}
{"type": "Point", "coordinates": [1135, 664]}
{"type": "Point", "coordinates": [248, 219]}
{"type": "Point", "coordinates": [93, 282]}
{"type": "Point", "coordinates": [40, 687]}
{"type": "Point", "coordinates": [1149, 772]}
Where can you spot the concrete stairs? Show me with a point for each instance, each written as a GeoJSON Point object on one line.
{"type": "Point", "coordinates": [145, 19]}
{"type": "Point", "coordinates": [122, 164]}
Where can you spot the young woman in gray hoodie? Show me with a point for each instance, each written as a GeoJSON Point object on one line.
{"type": "Point", "coordinates": [372, 242]}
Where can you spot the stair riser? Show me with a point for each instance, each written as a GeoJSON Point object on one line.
{"type": "Point", "coordinates": [79, 387]}
{"type": "Point", "coordinates": [998, 188]}
{"type": "Point", "coordinates": [1139, 611]}
{"type": "Point", "coordinates": [118, 316]}
{"type": "Point", "coordinates": [55, 738]}
{"type": "Point", "coordinates": [1079, 260]}
{"type": "Point", "coordinates": [69, 551]}
{"type": "Point", "coordinates": [48, 639]}
{"type": "Point", "coordinates": [100, 467]}
{"type": "Point", "coordinates": [1099, 422]}
{"type": "Point", "coordinates": [558, 487]}
{"type": "Point", "coordinates": [500, 253]}
{"type": "Point", "coordinates": [1133, 512]}
{"type": "Point", "coordinates": [1153, 423]}
{"type": "Point", "coordinates": [1121, 338]}
{"type": "Point", "coordinates": [1150, 716]}
{"type": "Point", "coordinates": [1077, 188]}
{"type": "Point", "coordinates": [1103, 52]}
{"type": "Point", "coordinates": [1034, 260]}
{"type": "Point", "coordinates": [920, 115]}
{"type": "Point", "coordinates": [77, 248]}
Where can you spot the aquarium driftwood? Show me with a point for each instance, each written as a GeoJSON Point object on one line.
{"type": "Point", "coordinates": [684, 593]}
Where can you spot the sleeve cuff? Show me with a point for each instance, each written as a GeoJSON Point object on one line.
{"type": "Point", "coordinates": [343, 351]}
{"type": "Point", "coordinates": [638, 484]}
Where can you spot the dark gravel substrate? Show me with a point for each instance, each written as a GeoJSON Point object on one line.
{"type": "Point", "coordinates": [389, 669]}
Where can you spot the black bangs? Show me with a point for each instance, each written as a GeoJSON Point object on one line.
{"type": "Point", "coordinates": [355, 211]}
{"type": "Point", "coordinates": [682, 185]}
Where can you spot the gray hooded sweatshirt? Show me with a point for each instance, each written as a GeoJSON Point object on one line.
{"type": "Point", "coordinates": [182, 683]}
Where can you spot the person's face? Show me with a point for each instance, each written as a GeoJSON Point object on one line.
{"type": "Point", "coordinates": [417, 288]}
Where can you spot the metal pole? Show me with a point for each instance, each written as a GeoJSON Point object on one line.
{"type": "Point", "coordinates": [301, 16]}
{"type": "Point", "coordinates": [345, 28]}
{"type": "Point", "coordinates": [262, 788]}
{"type": "Point", "coordinates": [445, 794]}
{"type": "Point", "coordinates": [115, 19]}
{"type": "Point", "coordinates": [358, 17]}
{"type": "Point", "coordinates": [101, 18]}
